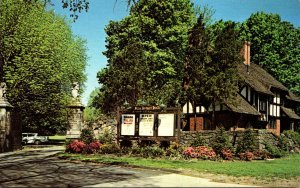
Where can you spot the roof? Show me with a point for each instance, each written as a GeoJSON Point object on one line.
{"type": "Point", "coordinates": [261, 81]}
{"type": "Point", "coordinates": [240, 105]}
{"type": "Point", "coordinates": [293, 97]}
{"type": "Point", "coordinates": [290, 113]}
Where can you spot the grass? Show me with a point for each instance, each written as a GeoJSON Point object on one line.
{"type": "Point", "coordinates": [287, 167]}
{"type": "Point", "coordinates": [57, 137]}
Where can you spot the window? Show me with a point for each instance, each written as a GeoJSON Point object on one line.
{"type": "Point", "coordinates": [276, 99]}
{"type": "Point", "coordinates": [272, 124]}
{"type": "Point", "coordinates": [262, 105]}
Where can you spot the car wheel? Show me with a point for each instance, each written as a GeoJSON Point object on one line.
{"type": "Point", "coordinates": [37, 142]}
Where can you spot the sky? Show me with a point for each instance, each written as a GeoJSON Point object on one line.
{"type": "Point", "coordinates": [90, 26]}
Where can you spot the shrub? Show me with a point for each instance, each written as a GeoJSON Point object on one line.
{"type": "Point", "coordinates": [201, 152]}
{"type": "Point", "coordinates": [135, 151]}
{"type": "Point", "coordinates": [294, 136]}
{"type": "Point", "coordinates": [76, 146]}
{"type": "Point", "coordinates": [152, 152]}
{"type": "Point", "coordinates": [87, 135]}
{"type": "Point", "coordinates": [93, 147]}
{"type": "Point", "coordinates": [126, 144]}
{"type": "Point", "coordinates": [164, 144]}
{"type": "Point", "coordinates": [146, 143]}
{"type": "Point", "coordinates": [246, 142]}
{"type": "Point", "coordinates": [106, 137]}
{"type": "Point", "coordinates": [226, 154]}
{"type": "Point", "coordinates": [109, 148]}
{"type": "Point", "coordinates": [274, 151]}
{"type": "Point", "coordinates": [261, 154]}
{"type": "Point", "coordinates": [173, 153]}
{"type": "Point", "coordinates": [247, 156]}
{"type": "Point", "coordinates": [283, 144]}
{"type": "Point", "coordinates": [187, 153]}
{"type": "Point", "coordinates": [198, 141]}
{"type": "Point", "coordinates": [221, 142]}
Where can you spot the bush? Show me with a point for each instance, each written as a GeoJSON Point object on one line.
{"type": "Point", "coordinates": [93, 147]}
{"type": "Point", "coordinates": [164, 144]}
{"type": "Point", "coordinates": [76, 146]}
{"type": "Point", "coordinates": [246, 142]}
{"type": "Point", "coordinates": [200, 152]}
{"type": "Point", "coordinates": [283, 144]}
{"type": "Point", "coordinates": [146, 143]}
{"type": "Point", "coordinates": [221, 142]}
{"type": "Point", "coordinates": [135, 151]}
{"type": "Point", "coordinates": [87, 135]}
{"type": "Point", "coordinates": [106, 137]}
{"type": "Point", "coordinates": [274, 151]}
{"type": "Point", "coordinates": [109, 148]}
{"type": "Point", "coordinates": [294, 136]}
{"type": "Point", "coordinates": [247, 156]}
{"type": "Point", "coordinates": [198, 141]}
{"type": "Point", "coordinates": [126, 144]}
{"type": "Point", "coordinates": [173, 153]}
{"type": "Point", "coordinates": [152, 152]}
{"type": "Point", "coordinates": [226, 154]}
{"type": "Point", "coordinates": [261, 154]}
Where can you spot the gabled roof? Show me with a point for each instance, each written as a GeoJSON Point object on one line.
{"type": "Point", "coordinates": [290, 113]}
{"type": "Point", "coordinates": [240, 105]}
{"type": "Point", "coordinates": [261, 81]}
{"type": "Point", "coordinates": [293, 97]}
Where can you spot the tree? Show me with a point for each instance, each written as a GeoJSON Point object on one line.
{"type": "Point", "coordinates": [40, 58]}
{"type": "Point", "coordinates": [196, 59]}
{"type": "Point", "coordinates": [221, 84]}
{"type": "Point", "coordinates": [275, 45]}
{"type": "Point", "coordinates": [145, 53]}
{"type": "Point", "coordinates": [211, 63]}
{"type": "Point", "coordinates": [91, 114]}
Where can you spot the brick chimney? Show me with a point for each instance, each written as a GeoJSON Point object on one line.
{"type": "Point", "coordinates": [246, 53]}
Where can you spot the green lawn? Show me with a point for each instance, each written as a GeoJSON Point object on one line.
{"type": "Point", "coordinates": [288, 167]}
{"type": "Point", "coordinates": [57, 137]}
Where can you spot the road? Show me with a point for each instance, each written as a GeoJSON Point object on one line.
{"type": "Point", "coordinates": [38, 168]}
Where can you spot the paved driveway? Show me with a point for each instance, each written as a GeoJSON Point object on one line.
{"type": "Point", "coordinates": [36, 168]}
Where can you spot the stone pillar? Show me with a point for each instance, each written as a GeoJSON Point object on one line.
{"type": "Point", "coordinates": [75, 114]}
{"type": "Point", "coordinates": [5, 121]}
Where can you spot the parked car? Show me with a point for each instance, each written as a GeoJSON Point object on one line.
{"type": "Point", "coordinates": [33, 138]}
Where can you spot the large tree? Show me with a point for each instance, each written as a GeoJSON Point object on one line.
{"type": "Point", "coordinates": [275, 45]}
{"type": "Point", "coordinates": [211, 63]}
{"type": "Point", "coordinates": [145, 53]}
{"type": "Point", "coordinates": [40, 58]}
{"type": "Point", "coordinates": [221, 84]}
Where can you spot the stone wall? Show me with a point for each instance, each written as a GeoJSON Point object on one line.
{"type": "Point", "coordinates": [104, 126]}
{"type": "Point", "coordinates": [263, 137]}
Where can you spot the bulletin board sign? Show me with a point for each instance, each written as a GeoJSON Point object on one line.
{"type": "Point", "coordinates": [166, 123]}
{"type": "Point", "coordinates": [148, 123]}
{"type": "Point", "coordinates": [128, 125]}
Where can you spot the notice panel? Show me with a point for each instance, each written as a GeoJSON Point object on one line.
{"type": "Point", "coordinates": [128, 124]}
{"type": "Point", "coordinates": [146, 124]}
{"type": "Point", "coordinates": [165, 124]}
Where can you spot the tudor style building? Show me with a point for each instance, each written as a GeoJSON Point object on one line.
{"type": "Point", "coordinates": [262, 103]}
